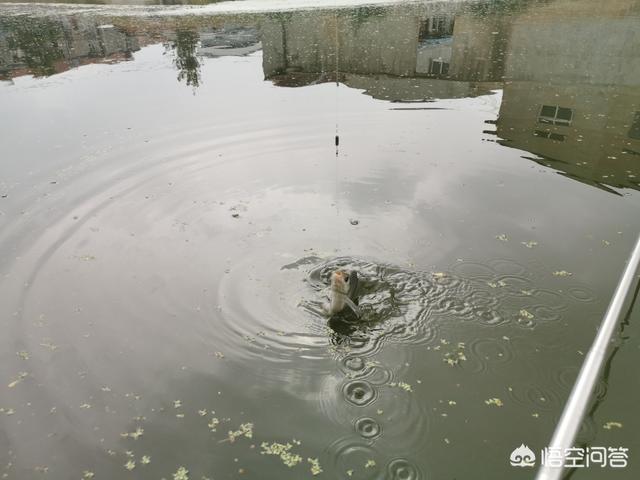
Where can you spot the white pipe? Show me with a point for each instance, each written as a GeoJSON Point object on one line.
{"type": "Point", "coordinates": [576, 407]}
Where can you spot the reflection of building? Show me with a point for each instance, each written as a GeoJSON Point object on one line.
{"type": "Point", "coordinates": [41, 46]}
{"type": "Point", "coordinates": [229, 41]}
{"type": "Point", "coordinates": [399, 54]}
{"type": "Point", "coordinates": [574, 99]}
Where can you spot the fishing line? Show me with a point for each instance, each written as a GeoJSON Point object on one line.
{"type": "Point", "coordinates": [337, 133]}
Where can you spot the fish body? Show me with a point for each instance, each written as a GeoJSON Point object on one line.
{"type": "Point", "coordinates": [343, 291]}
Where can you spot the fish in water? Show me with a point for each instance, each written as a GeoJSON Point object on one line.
{"type": "Point", "coordinates": [343, 291]}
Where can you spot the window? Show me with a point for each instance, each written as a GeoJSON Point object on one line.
{"type": "Point", "coordinates": [438, 67]}
{"type": "Point", "coordinates": [634, 131]}
{"type": "Point", "coordinates": [555, 115]}
{"type": "Point", "coordinates": [550, 135]}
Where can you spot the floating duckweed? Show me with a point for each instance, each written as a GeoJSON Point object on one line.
{"type": "Point", "coordinates": [494, 401]}
{"type": "Point", "coordinates": [85, 406]}
{"type": "Point", "coordinates": [350, 473]}
{"type": "Point", "coordinates": [202, 413]}
{"type": "Point", "coordinates": [403, 385]}
{"type": "Point", "coordinates": [370, 464]}
{"type": "Point", "coordinates": [525, 314]}
{"type": "Point", "coordinates": [502, 283]}
{"type": "Point", "coordinates": [529, 244]}
{"type": "Point", "coordinates": [452, 402]}
{"type": "Point", "coordinates": [219, 354]}
{"type": "Point", "coordinates": [283, 451]}
{"type": "Point", "coordinates": [379, 411]}
{"type": "Point", "coordinates": [21, 376]}
{"type": "Point", "coordinates": [137, 434]}
{"type": "Point", "coordinates": [177, 403]}
{"type": "Point", "coordinates": [246, 430]}
{"type": "Point", "coordinates": [181, 474]}
{"type": "Point", "coordinates": [492, 285]}
{"type": "Point", "coordinates": [213, 424]}
{"type": "Point", "coordinates": [562, 273]}
{"type": "Point", "coordinates": [145, 460]}
{"type": "Point", "coordinates": [23, 354]}
{"type": "Point", "coordinates": [105, 389]}
{"type": "Point", "coordinates": [130, 465]}
{"type": "Point", "coordinates": [315, 466]}
{"type": "Point", "coordinates": [605, 243]}
{"type": "Point", "coordinates": [610, 425]}
{"type": "Point", "coordinates": [535, 415]}
{"type": "Point", "coordinates": [87, 474]}
{"type": "Point", "coordinates": [446, 440]}
{"type": "Point", "coordinates": [502, 237]}
{"type": "Point", "coordinates": [50, 346]}
{"type": "Point", "coordinates": [179, 415]}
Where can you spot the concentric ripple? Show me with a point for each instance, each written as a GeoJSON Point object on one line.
{"type": "Point", "coordinates": [368, 428]}
{"type": "Point", "coordinates": [403, 469]}
{"type": "Point", "coordinates": [359, 393]}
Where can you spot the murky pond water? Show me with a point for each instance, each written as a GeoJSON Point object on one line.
{"type": "Point", "coordinates": [177, 186]}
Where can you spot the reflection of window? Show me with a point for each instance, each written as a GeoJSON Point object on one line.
{"type": "Point", "coordinates": [438, 67]}
{"type": "Point", "coordinates": [555, 115]}
{"type": "Point", "coordinates": [550, 135]}
{"type": "Point", "coordinates": [436, 27]}
{"type": "Point", "coordinates": [634, 131]}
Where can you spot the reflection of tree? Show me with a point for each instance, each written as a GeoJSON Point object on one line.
{"type": "Point", "coordinates": [36, 43]}
{"type": "Point", "coordinates": [186, 60]}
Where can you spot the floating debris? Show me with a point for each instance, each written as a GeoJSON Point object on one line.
{"type": "Point", "coordinates": [562, 273]}
{"type": "Point", "coordinates": [379, 411]}
{"type": "Point", "coordinates": [502, 237]}
{"type": "Point", "coordinates": [350, 473]}
{"type": "Point", "coordinates": [610, 425]}
{"type": "Point", "coordinates": [403, 385]}
{"type": "Point", "coordinates": [438, 274]}
{"type": "Point", "coordinates": [245, 430]}
{"type": "Point", "coordinates": [135, 435]}
{"type": "Point", "coordinates": [85, 406]}
{"type": "Point", "coordinates": [283, 451]}
{"type": "Point", "coordinates": [354, 221]}
{"type": "Point", "coordinates": [181, 474]}
{"type": "Point", "coordinates": [87, 474]}
{"type": "Point", "coordinates": [177, 403]}
{"type": "Point", "coordinates": [529, 244]}
{"type": "Point", "coordinates": [213, 424]}
{"type": "Point", "coordinates": [315, 466]}
{"type": "Point", "coordinates": [494, 401]}
{"type": "Point", "coordinates": [525, 314]}
{"type": "Point", "coordinates": [21, 376]}
{"type": "Point", "coordinates": [219, 355]}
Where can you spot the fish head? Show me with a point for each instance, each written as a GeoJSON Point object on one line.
{"type": "Point", "coordinates": [340, 281]}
